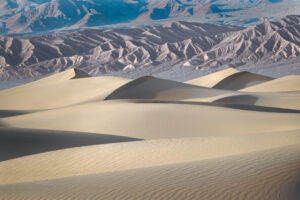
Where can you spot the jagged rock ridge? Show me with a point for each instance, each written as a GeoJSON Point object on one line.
{"type": "Point", "coordinates": [187, 43]}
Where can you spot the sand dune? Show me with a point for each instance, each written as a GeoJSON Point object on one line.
{"type": "Point", "coordinates": [59, 90]}
{"type": "Point", "coordinates": [154, 88]}
{"type": "Point", "coordinates": [124, 156]}
{"type": "Point", "coordinates": [151, 119]}
{"type": "Point", "coordinates": [71, 136]}
{"type": "Point", "coordinates": [287, 100]}
{"type": "Point", "coordinates": [22, 142]}
{"type": "Point", "coordinates": [284, 84]}
{"type": "Point", "coordinates": [268, 174]}
{"type": "Point", "coordinates": [241, 80]}
{"type": "Point", "coordinates": [212, 79]}
{"type": "Point", "coordinates": [229, 79]}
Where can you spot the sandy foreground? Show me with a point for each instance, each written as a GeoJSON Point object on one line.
{"type": "Point", "coordinates": [227, 135]}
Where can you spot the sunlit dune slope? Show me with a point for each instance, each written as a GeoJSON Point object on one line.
{"type": "Point", "coordinates": [268, 174]}
{"type": "Point", "coordinates": [284, 84]}
{"type": "Point", "coordinates": [124, 156]}
{"type": "Point", "coordinates": [158, 119]}
{"type": "Point", "coordinates": [59, 90]}
{"type": "Point", "coordinates": [212, 79]}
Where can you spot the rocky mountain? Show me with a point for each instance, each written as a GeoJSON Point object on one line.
{"type": "Point", "coordinates": [188, 44]}
{"type": "Point", "coordinates": [35, 16]}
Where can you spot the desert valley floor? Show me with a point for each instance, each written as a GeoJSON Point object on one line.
{"type": "Point", "coordinates": [227, 135]}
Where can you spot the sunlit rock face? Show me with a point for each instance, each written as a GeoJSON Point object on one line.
{"type": "Point", "coordinates": [35, 16]}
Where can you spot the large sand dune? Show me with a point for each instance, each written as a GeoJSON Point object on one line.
{"type": "Point", "coordinates": [154, 88]}
{"type": "Point", "coordinates": [151, 119]}
{"type": "Point", "coordinates": [124, 156]}
{"type": "Point", "coordinates": [241, 80]}
{"type": "Point", "coordinates": [59, 90]}
{"type": "Point", "coordinates": [212, 79]}
{"type": "Point", "coordinates": [229, 79]}
{"type": "Point", "coordinates": [72, 136]}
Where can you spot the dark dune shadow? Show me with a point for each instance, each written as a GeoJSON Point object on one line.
{"type": "Point", "coordinates": [15, 142]}
{"type": "Point", "coordinates": [296, 190]}
{"type": "Point", "coordinates": [224, 105]}
{"type": "Point", "coordinates": [238, 99]}
{"type": "Point", "coordinates": [241, 80]}
{"type": "Point", "coordinates": [11, 113]}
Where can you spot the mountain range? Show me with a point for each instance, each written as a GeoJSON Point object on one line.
{"type": "Point", "coordinates": [189, 45]}
{"type": "Point", "coordinates": [36, 16]}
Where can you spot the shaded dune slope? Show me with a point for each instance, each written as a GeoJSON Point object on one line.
{"type": "Point", "coordinates": [22, 142]}
{"type": "Point", "coordinates": [133, 155]}
{"type": "Point", "coordinates": [241, 80]}
{"type": "Point", "coordinates": [11, 113]}
{"type": "Point", "coordinates": [148, 87]}
{"type": "Point", "coordinates": [286, 101]}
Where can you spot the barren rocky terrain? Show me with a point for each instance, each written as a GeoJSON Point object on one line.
{"type": "Point", "coordinates": [187, 44]}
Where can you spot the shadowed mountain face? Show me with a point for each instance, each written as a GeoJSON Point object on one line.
{"type": "Point", "coordinates": [189, 44]}
{"type": "Point", "coordinates": [33, 16]}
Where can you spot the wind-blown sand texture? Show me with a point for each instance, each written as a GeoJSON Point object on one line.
{"type": "Point", "coordinates": [71, 136]}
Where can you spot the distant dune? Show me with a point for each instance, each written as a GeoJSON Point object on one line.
{"type": "Point", "coordinates": [228, 135]}
{"type": "Point", "coordinates": [212, 79]}
{"type": "Point", "coordinates": [285, 84]}
{"type": "Point", "coordinates": [241, 80]}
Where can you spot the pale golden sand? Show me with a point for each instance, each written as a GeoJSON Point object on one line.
{"type": "Point", "coordinates": [269, 174]}
{"type": "Point", "coordinates": [58, 90]}
{"type": "Point", "coordinates": [71, 136]}
{"type": "Point", "coordinates": [212, 79]}
{"type": "Point", "coordinates": [284, 84]}
{"type": "Point", "coordinates": [132, 155]}
{"type": "Point", "coordinates": [229, 79]}
{"type": "Point", "coordinates": [152, 120]}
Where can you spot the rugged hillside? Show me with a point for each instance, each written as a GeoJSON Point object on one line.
{"type": "Point", "coordinates": [33, 16]}
{"type": "Point", "coordinates": [266, 42]}
{"type": "Point", "coordinates": [192, 45]}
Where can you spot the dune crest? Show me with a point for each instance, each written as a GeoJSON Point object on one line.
{"type": "Point", "coordinates": [241, 80]}
{"type": "Point", "coordinates": [59, 90]}
{"type": "Point", "coordinates": [284, 84]}
{"type": "Point", "coordinates": [212, 79]}
{"type": "Point", "coordinates": [16, 143]}
{"type": "Point", "coordinates": [152, 119]}
{"type": "Point", "coordinates": [133, 155]}
{"type": "Point", "coordinates": [149, 87]}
